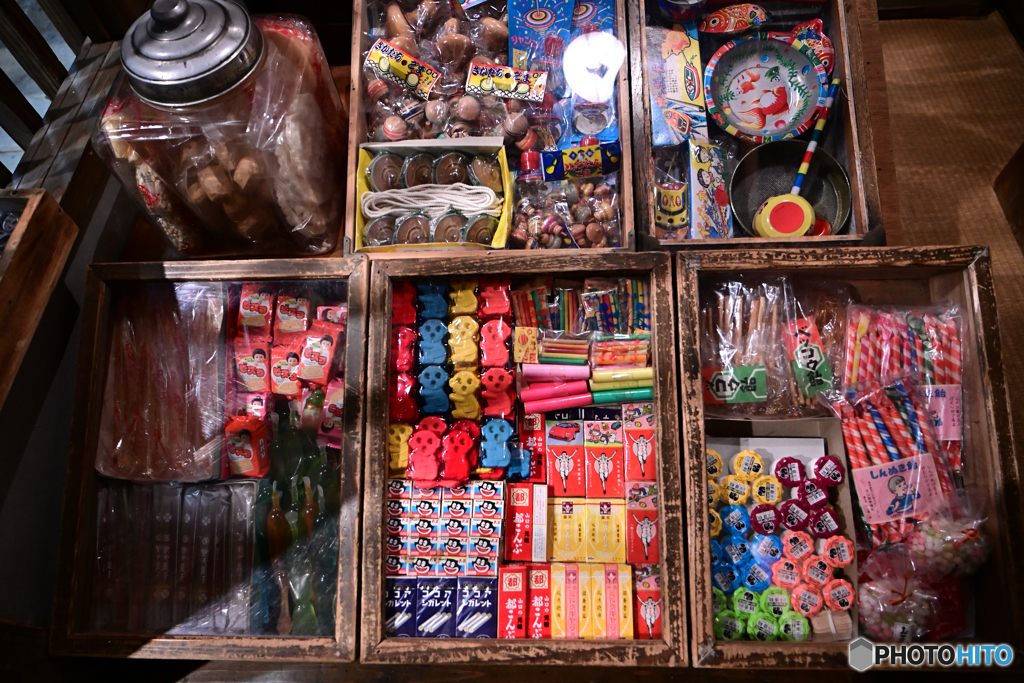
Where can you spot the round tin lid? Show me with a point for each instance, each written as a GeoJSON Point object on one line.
{"type": "Point", "coordinates": [186, 51]}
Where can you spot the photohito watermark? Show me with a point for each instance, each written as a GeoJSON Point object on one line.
{"type": "Point", "coordinates": [864, 654]}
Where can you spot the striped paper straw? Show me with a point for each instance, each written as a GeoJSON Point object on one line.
{"type": "Point", "coordinates": [872, 441]}
{"type": "Point", "coordinates": [953, 342]}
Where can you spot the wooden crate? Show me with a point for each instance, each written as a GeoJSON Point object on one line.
{"type": "Point", "coordinates": [357, 134]}
{"type": "Point", "coordinates": [905, 276]}
{"type": "Point", "coordinates": [30, 267]}
{"type": "Point", "coordinates": [67, 635]}
{"type": "Point", "coordinates": [862, 149]}
{"type": "Point", "coordinates": [374, 647]}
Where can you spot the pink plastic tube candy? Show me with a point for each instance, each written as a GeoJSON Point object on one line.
{"type": "Point", "coordinates": [536, 372]}
{"type": "Point", "coordinates": [541, 391]}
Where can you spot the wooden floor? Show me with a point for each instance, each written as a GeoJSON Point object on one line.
{"type": "Point", "coordinates": [958, 122]}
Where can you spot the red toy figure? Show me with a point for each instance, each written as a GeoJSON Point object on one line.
{"type": "Point", "coordinates": [403, 406]}
{"type": "Point", "coordinates": [494, 336]}
{"type": "Point", "coordinates": [494, 299]}
{"type": "Point", "coordinates": [424, 455]}
{"type": "Point", "coordinates": [499, 399]}
{"type": "Point", "coordinates": [433, 423]}
{"type": "Point", "coordinates": [473, 429]}
{"type": "Point", "coordinates": [456, 446]}
{"type": "Point", "coordinates": [403, 303]}
{"type": "Point", "coordinates": [403, 348]}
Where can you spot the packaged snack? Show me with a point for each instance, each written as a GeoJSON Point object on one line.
{"type": "Point", "coordinates": [256, 311]}
{"type": "Point", "coordinates": [331, 431]}
{"type": "Point", "coordinates": [284, 369]}
{"type": "Point", "coordinates": [259, 405]}
{"type": "Point", "coordinates": [318, 352]}
{"type": "Point", "coordinates": [291, 314]}
{"type": "Point", "coordinates": [246, 440]}
{"type": "Point", "coordinates": [252, 366]}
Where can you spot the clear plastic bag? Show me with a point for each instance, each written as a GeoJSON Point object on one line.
{"type": "Point", "coordinates": [895, 604]}
{"type": "Point", "coordinates": [900, 473]}
{"type": "Point", "coordinates": [924, 342]}
{"type": "Point", "coordinates": [163, 403]}
{"type": "Point", "coordinates": [743, 357]}
{"type": "Point", "coordinates": [256, 170]}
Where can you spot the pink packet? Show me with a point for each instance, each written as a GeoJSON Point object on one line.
{"type": "Point", "coordinates": [331, 428]}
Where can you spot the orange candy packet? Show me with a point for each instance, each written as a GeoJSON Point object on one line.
{"type": "Point", "coordinates": [247, 447]}
{"type": "Point", "coordinates": [252, 366]}
{"type": "Point", "coordinates": [284, 368]}
{"type": "Point", "coordinates": [318, 352]}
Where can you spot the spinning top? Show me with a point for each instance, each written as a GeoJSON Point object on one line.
{"type": "Point", "coordinates": [413, 229]}
{"type": "Point", "coordinates": [790, 215]}
{"type": "Point", "coordinates": [379, 231]}
{"type": "Point", "coordinates": [449, 228]}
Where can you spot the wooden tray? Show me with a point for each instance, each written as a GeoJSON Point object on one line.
{"type": "Point", "coordinates": [374, 647]}
{"type": "Point", "coordinates": [960, 275]}
{"type": "Point", "coordinates": [357, 133]}
{"type": "Point", "coordinates": [850, 130]}
{"type": "Point", "coordinates": [67, 635]}
{"type": "Point", "coordinates": [29, 270]}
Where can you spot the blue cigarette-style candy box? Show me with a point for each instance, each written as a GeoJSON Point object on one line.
{"type": "Point", "coordinates": [435, 607]}
{"type": "Point", "coordinates": [477, 608]}
{"type": "Point", "coordinates": [400, 607]}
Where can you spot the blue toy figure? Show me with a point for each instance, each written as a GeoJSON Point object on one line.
{"type": "Point", "coordinates": [494, 436]}
{"type": "Point", "coordinates": [519, 467]}
{"type": "Point", "coordinates": [432, 348]}
{"type": "Point", "coordinates": [433, 299]}
{"type": "Point", "coordinates": [432, 380]}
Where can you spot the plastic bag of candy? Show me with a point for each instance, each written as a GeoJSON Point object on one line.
{"type": "Point", "coordinates": [896, 605]}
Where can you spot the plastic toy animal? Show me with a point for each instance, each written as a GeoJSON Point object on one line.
{"type": "Point", "coordinates": [494, 451]}
{"type": "Point", "coordinates": [434, 399]}
{"type": "Point", "coordinates": [433, 299]}
{"type": "Point", "coordinates": [432, 351]}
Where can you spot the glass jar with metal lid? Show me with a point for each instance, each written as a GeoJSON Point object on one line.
{"type": "Point", "coordinates": [228, 130]}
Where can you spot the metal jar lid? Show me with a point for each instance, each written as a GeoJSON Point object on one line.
{"type": "Point", "coordinates": [187, 51]}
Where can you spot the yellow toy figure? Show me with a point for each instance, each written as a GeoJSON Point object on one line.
{"type": "Point", "coordinates": [464, 385]}
{"type": "Point", "coordinates": [463, 297]}
{"type": "Point", "coordinates": [462, 340]}
{"type": "Point", "coordinates": [398, 448]}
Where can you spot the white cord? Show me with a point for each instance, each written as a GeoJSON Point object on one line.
{"type": "Point", "coordinates": [433, 200]}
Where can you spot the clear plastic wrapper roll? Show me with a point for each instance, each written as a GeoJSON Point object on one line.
{"type": "Point", "coordinates": [255, 170]}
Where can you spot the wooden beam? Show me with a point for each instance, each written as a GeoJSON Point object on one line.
{"type": "Point", "coordinates": [62, 21]}
{"type": "Point", "coordinates": [17, 116]}
{"type": "Point", "coordinates": [29, 47]}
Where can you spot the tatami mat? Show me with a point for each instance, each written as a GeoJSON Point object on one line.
{"type": "Point", "coordinates": [956, 98]}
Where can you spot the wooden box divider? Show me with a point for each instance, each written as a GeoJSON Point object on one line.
{"type": "Point", "coordinates": [850, 120]}
{"type": "Point", "coordinates": [77, 547]}
{"type": "Point", "coordinates": [896, 276]}
{"type": "Point", "coordinates": [357, 134]}
{"type": "Point", "coordinates": [374, 646]}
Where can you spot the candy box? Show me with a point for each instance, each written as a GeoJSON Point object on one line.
{"type": "Point", "coordinates": [512, 601]}
{"type": "Point", "coordinates": [618, 601]}
{"type": "Point", "coordinates": [642, 537]}
{"type": "Point", "coordinates": [567, 530]}
{"type": "Point", "coordinates": [477, 612]}
{"type": "Point", "coordinates": [400, 607]}
{"type": "Point", "coordinates": [641, 454]}
{"type": "Point", "coordinates": [485, 528]}
{"type": "Point", "coordinates": [538, 601]}
{"type": "Point", "coordinates": [483, 546]}
{"type": "Point", "coordinates": [246, 444]}
{"type": "Point", "coordinates": [647, 601]}
{"type": "Point", "coordinates": [605, 471]}
{"type": "Point", "coordinates": [448, 566]}
{"type": "Point", "coordinates": [565, 601]}
{"type": "Point", "coordinates": [531, 439]}
{"type": "Point", "coordinates": [592, 602]}
{"type": "Point", "coordinates": [488, 490]}
{"type": "Point", "coordinates": [488, 509]}
{"type": "Point", "coordinates": [455, 527]}
{"type": "Point", "coordinates": [638, 416]}
{"type": "Point", "coordinates": [526, 523]}
{"type": "Point", "coordinates": [435, 607]}
{"type": "Point", "coordinates": [606, 530]}
{"type": "Point", "coordinates": [480, 565]}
